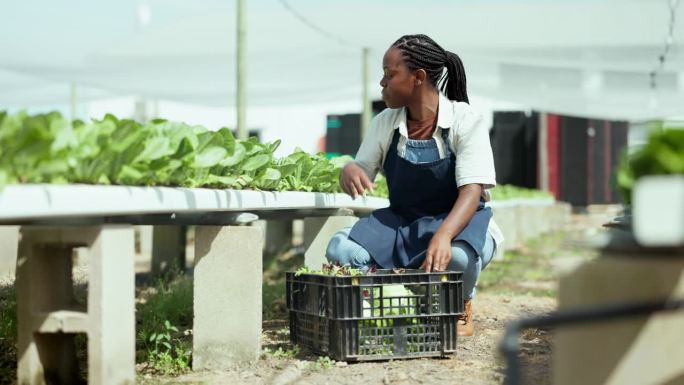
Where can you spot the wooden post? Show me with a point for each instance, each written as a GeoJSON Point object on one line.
{"type": "Point", "coordinates": [366, 111]}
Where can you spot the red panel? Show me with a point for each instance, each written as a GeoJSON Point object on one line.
{"type": "Point", "coordinates": [553, 150]}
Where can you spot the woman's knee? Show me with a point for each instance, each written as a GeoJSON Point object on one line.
{"type": "Point", "coordinates": [489, 251]}
{"type": "Point", "coordinates": [337, 250]}
{"type": "Point", "coordinates": [344, 250]}
{"type": "Point", "coordinates": [463, 256]}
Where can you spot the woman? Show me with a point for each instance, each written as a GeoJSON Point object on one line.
{"type": "Point", "coordinates": [435, 153]}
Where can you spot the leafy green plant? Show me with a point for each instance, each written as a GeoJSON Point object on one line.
{"type": "Point", "coordinates": [166, 301]}
{"type": "Point", "coordinates": [47, 148]}
{"type": "Point", "coordinates": [381, 190]}
{"type": "Point", "coordinates": [663, 154]}
{"type": "Point", "coordinates": [396, 299]}
{"type": "Point", "coordinates": [332, 269]}
{"type": "Point", "coordinates": [169, 355]}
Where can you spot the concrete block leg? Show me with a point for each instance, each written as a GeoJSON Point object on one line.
{"type": "Point", "coordinates": [521, 227]}
{"type": "Point", "coordinates": [536, 221]}
{"type": "Point", "coordinates": [227, 296]}
{"type": "Point", "coordinates": [506, 220]}
{"type": "Point", "coordinates": [564, 213]}
{"type": "Point", "coordinates": [80, 257]}
{"type": "Point", "coordinates": [9, 240]}
{"type": "Point", "coordinates": [327, 227]}
{"type": "Point", "coordinates": [145, 234]}
{"type": "Point", "coordinates": [111, 307]}
{"type": "Point", "coordinates": [311, 228]}
{"type": "Point", "coordinates": [627, 350]}
{"type": "Point", "coordinates": [278, 236]}
{"type": "Point", "coordinates": [49, 318]}
{"type": "Point", "coordinates": [168, 249]}
{"type": "Point", "coordinates": [44, 286]}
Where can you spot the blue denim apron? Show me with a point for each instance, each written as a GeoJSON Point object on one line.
{"type": "Point", "coordinates": [421, 196]}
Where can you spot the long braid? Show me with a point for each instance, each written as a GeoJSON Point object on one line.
{"type": "Point", "coordinates": [421, 52]}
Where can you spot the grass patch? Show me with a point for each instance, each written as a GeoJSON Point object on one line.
{"type": "Point", "coordinates": [529, 271]}
{"type": "Point", "coordinates": [164, 327]}
{"type": "Point", "coordinates": [8, 333]}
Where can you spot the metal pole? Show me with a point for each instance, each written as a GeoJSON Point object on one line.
{"type": "Point", "coordinates": [73, 100]}
{"type": "Point", "coordinates": [366, 111]}
{"type": "Point", "coordinates": [241, 69]}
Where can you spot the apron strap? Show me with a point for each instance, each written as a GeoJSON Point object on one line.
{"type": "Point", "coordinates": [445, 140]}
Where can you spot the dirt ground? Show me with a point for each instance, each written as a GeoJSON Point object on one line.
{"type": "Point", "coordinates": [522, 284]}
{"type": "Point", "coordinates": [476, 361]}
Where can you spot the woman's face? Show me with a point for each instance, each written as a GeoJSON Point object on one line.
{"type": "Point", "coordinates": [398, 82]}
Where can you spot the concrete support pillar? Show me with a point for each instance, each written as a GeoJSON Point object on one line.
{"type": "Point", "coordinates": [322, 229]}
{"type": "Point", "coordinates": [146, 234]}
{"type": "Point", "coordinates": [505, 218]}
{"type": "Point", "coordinates": [278, 236]}
{"type": "Point", "coordinates": [9, 239]}
{"type": "Point", "coordinates": [44, 286]}
{"type": "Point", "coordinates": [312, 226]}
{"type": "Point", "coordinates": [227, 296]}
{"type": "Point", "coordinates": [641, 350]}
{"type": "Point", "coordinates": [168, 249]}
{"type": "Point", "coordinates": [49, 319]}
{"type": "Point", "coordinates": [561, 213]}
{"type": "Point", "coordinates": [525, 219]}
{"type": "Point", "coordinates": [520, 223]}
{"type": "Point", "coordinates": [111, 307]}
{"type": "Point", "coordinates": [80, 256]}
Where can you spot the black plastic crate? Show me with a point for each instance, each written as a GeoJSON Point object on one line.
{"type": "Point", "coordinates": [380, 316]}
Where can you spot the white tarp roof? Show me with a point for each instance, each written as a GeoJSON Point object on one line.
{"type": "Point", "coordinates": [580, 57]}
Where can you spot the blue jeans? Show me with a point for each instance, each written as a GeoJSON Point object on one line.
{"type": "Point", "coordinates": [463, 258]}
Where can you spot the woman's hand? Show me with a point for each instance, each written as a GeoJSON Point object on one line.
{"type": "Point", "coordinates": [438, 254]}
{"type": "Point", "coordinates": [354, 180]}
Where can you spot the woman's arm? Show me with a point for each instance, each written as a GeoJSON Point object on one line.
{"type": "Point", "coordinates": [469, 139]}
{"type": "Point", "coordinates": [439, 251]}
{"type": "Point", "coordinates": [357, 176]}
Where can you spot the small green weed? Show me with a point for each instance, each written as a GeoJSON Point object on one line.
{"type": "Point", "coordinates": [282, 354]}
{"type": "Point", "coordinates": [323, 362]}
{"type": "Point", "coordinates": [160, 319]}
{"type": "Point", "coordinates": [169, 355]}
{"type": "Point", "coordinates": [170, 301]}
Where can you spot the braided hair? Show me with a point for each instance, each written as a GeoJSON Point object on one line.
{"type": "Point", "coordinates": [421, 52]}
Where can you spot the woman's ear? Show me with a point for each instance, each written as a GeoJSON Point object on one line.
{"type": "Point", "coordinates": [420, 76]}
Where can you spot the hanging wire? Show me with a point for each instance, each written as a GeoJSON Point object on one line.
{"type": "Point", "coordinates": [314, 27]}
{"type": "Point", "coordinates": [668, 43]}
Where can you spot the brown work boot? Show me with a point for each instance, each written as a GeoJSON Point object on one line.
{"type": "Point", "coordinates": [464, 326]}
